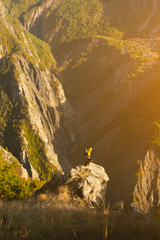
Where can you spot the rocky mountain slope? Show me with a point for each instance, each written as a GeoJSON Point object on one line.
{"type": "Point", "coordinates": [107, 55]}
{"type": "Point", "coordinates": [34, 111]}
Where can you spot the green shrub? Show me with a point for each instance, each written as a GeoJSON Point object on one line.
{"type": "Point", "coordinates": [12, 186]}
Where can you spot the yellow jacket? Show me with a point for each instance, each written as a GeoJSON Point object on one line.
{"type": "Point", "coordinates": [89, 152]}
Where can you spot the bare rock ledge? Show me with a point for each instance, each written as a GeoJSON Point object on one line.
{"type": "Point", "coordinates": [86, 182]}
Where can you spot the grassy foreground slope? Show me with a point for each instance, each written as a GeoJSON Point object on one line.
{"type": "Point", "coordinates": [46, 218]}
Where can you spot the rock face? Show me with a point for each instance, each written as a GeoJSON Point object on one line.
{"type": "Point", "coordinates": [87, 182]}
{"type": "Point", "coordinates": [33, 83]}
{"type": "Point", "coordinates": [49, 110]}
{"type": "Point", "coordinates": [146, 194]}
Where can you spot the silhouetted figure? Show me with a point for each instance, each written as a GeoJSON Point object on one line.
{"type": "Point", "coordinates": [87, 156]}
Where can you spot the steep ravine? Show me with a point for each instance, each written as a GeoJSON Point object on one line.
{"type": "Point", "coordinates": [33, 18]}
{"type": "Point", "coordinates": [113, 87]}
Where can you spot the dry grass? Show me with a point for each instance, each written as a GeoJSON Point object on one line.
{"type": "Point", "coordinates": [132, 226]}
{"type": "Point", "coordinates": [63, 217]}
{"type": "Point", "coordinates": [48, 218]}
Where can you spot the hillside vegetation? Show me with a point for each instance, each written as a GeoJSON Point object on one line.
{"type": "Point", "coordinates": [13, 186]}
{"type": "Point", "coordinates": [17, 7]}
{"type": "Point", "coordinates": [77, 19]}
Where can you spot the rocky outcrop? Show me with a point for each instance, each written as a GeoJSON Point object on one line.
{"type": "Point", "coordinates": [86, 182]}
{"type": "Point", "coordinates": [146, 194]}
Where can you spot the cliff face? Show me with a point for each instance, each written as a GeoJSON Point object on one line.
{"type": "Point", "coordinates": [49, 111]}
{"type": "Point", "coordinates": [147, 190]}
{"type": "Point", "coordinates": [34, 109]}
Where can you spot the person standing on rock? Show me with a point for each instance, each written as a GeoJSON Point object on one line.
{"type": "Point", "coordinates": [87, 156]}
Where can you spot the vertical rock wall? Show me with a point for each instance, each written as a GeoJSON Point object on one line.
{"type": "Point", "coordinates": [147, 190]}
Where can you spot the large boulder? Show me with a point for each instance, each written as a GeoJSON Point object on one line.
{"type": "Point", "coordinates": [86, 182]}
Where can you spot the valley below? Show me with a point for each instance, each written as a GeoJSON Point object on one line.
{"type": "Point", "coordinates": [77, 74]}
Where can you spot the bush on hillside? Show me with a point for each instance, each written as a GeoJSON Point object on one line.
{"type": "Point", "coordinates": [12, 186]}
